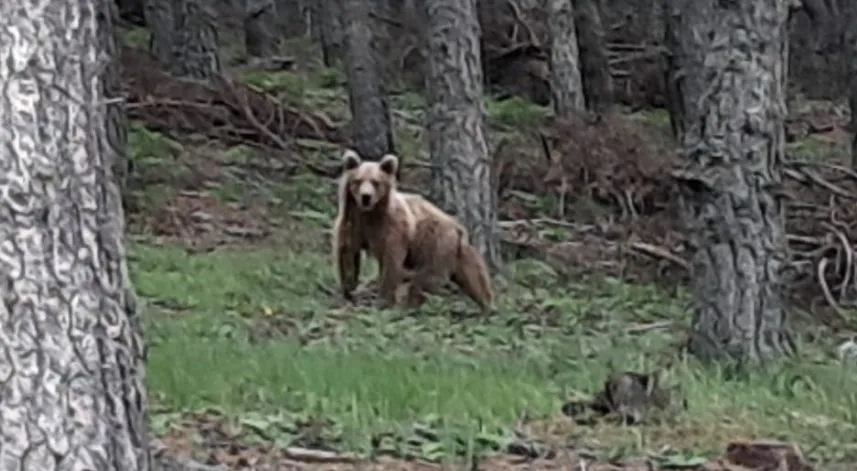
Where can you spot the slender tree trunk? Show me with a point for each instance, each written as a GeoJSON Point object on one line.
{"type": "Point", "coordinates": [461, 165]}
{"type": "Point", "coordinates": [291, 17]}
{"type": "Point", "coordinates": [114, 107]}
{"type": "Point", "coordinates": [370, 112]}
{"type": "Point", "coordinates": [160, 19]}
{"type": "Point", "coordinates": [850, 53]}
{"type": "Point", "coordinates": [260, 28]}
{"type": "Point", "coordinates": [594, 64]}
{"type": "Point", "coordinates": [566, 84]}
{"type": "Point", "coordinates": [72, 373]}
{"type": "Point", "coordinates": [195, 50]}
{"type": "Point", "coordinates": [671, 68]}
{"type": "Point", "coordinates": [327, 14]}
{"type": "Point", "coordinates": [132, 11]}
{"type": "Point", "coordinates": [734, 61]}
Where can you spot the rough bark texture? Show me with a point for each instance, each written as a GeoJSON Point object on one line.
{"type": "Point", "coordinates": [260, 28]}
{"type": "Point", "coordinates": [566, 84]}
{"type": "Point", "coordinates": [72, 373]}
{"type": "Point", "coordinates": [671, 68]}
{"type": "Point", "coordinates": [111, 81]}
{"type": "Point", "coordinates": [291, 16]}
{"type": "Point", "coordinates": [734, 61]}
{"type": "Point", "coordinates": [594, 63]}
{"type": "Point", "coordinates": [132, 11]}
{"type": "Point", "coordinates": [161, 23]}
{"type": "Point", "coordinates": [327, 14]}
{"type": "Point", "coordinates": [851, 58]}
{"type": "Point", "coordinates": [370, 112]}
{"type": "Point", "coordinates": [195, 52]}
{"type": "Point", "coordinates": [461, 166]}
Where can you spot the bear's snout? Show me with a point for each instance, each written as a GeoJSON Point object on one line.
{"type": "Point", "coordinates": [365, 200]}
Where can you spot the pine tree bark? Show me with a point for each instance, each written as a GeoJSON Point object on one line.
{"type": "Point", "coordinates": [850, 53]}
{"type": "Point", "coordinates": [461, 164]}
{"type": "Point", "coordinates": [370, 112]}
{"type": "Point", "coordinates": [160, 20]}
{"type": "Point", "coordinates": [327, 14]}
{"type": "Point", "coordinates": [566, 84]}
{"type": "Point", "coordinates": [594, 64]}
{"type": "Point", "coordinates": [733, 55]}
{"type": "Point", "coordinates": [132, 11]}
{"type": "Point", "coordinates": [112, 89]}
{"type": "Point", "coordinates": [672, 69]}
{"type": "Point", "coordinates": [260, 28]}
{"type": "Point", "coordinates": [72, 368]}
{"type": "Point", "coordinates": [195, 48]}
{"type": "Point", "coordinates": [291, 17]}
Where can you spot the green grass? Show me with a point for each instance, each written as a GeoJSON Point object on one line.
{"type": "Point", "coordinates": [252, 332]}
{"type": "Point", "coordinates": [256, 338]}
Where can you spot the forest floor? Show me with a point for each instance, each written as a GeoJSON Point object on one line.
{"type": "Point", "coordinates": [254, 363]}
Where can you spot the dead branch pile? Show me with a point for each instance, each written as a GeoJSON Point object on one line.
{"type": "Point", "coordinates": [230, 112]}
{"type": "Point", "coordinates": [635, 231]}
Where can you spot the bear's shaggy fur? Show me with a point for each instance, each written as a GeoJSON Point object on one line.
{"type": "Point", "coordinates": [441, 251]}
{"type": "Point", "coordinates": [411, 239]}
{"type": "Point", "coordinates": [373, 216]}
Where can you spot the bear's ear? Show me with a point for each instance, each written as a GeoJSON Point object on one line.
{"type": "Point", "coordinates": [350, 160]}
{"type": "Point", "coordinates": [389, 164]}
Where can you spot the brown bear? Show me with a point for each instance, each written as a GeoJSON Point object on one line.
{"type": "Point", "coordinates": [411, 239]}
{"type": "Point", "coordinates": [441, 251]}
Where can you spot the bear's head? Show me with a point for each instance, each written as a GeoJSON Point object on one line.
{"type": "Point", "coordinates": [369, 183]}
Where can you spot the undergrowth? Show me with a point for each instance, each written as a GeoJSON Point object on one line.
{"type": "Point", "coordinates": [254, 336]}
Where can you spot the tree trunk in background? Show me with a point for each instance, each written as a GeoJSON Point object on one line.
{"type": "Point", "coordinates": [734, 59]}
{"type": "Point", "coordinates": [290, 18]}
{"type": "Point", "coordinates": [327, 14]}
{"type": "Point", "coordinates": [671, 68]}
{"type": "Point", "coordinates": [73, 369]}
{"type": "Point", "coordinates": [132, 11]}
{"type": "Point", "coordinates": [383, 24]}
{"type": "Point", "coordinates": [115, 107]}
{"type": "Point", "coordinates": [370, 113]}
{"type": "Point", "coordinates": [260, 28]}
{"type": "Point", "coordinates": [566, 84]}
{"type": "Point", "coordinates": [161, 23]}
{"type": "Point", "coordinates": [594, 64]}
{"type": "Point", "coordinates": [195, 50]}
{"type": "Point", "coordinates": [461, 164]}
{"type": "Point", "coordinates": [851, 59]}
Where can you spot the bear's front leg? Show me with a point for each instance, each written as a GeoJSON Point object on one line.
{"type": "Point", "coordinates": [392, 273]}
{"type": "Point", "coordinates": [348, 260]}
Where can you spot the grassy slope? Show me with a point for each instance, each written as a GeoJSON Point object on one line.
{"type": "Point", "coordinates": [253, 336]}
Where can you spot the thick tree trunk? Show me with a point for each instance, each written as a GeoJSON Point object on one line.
{"type": "Point", "coordinates": [72, 373]}
{"type": "Point", "coordinates": [566, 84]}
{"type": "Point", "coordinates": [734, 60]}
{"type": "Point", "coordinates": [327, 15]}
{"type": "Point", "coordinates": [260, 28]}
{"type": "Point", "coordinates": [195, 51]}
{"type": "Point", "coordinates": [594, 64]}
{"type": "Point", "coordinates": [370, 112]}
{"type": "Point", "coordinates": [160, 19]}
{"type": "Point", "coordinates": [461, 164]}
